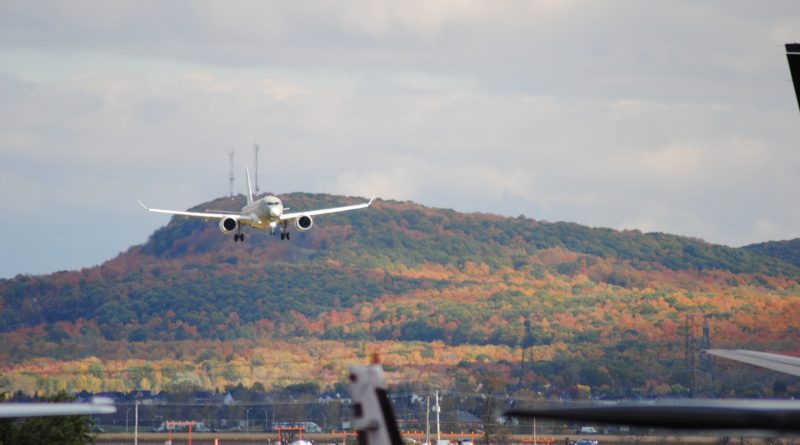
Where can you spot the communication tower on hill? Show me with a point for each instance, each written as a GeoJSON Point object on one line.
{"type": "Point", "coordinates": [230, 175]}
{"type": "Point", "coordinates": [255, 166]}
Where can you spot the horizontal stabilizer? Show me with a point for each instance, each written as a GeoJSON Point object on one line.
{"type": "Point", "coordinates": [763, 415]}
{"type": "Point", "coordinates": [98, 405]}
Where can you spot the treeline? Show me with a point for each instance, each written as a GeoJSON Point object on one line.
{"type": "Point", "coordinates": [603, 300]}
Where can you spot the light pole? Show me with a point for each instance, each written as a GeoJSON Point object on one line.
{"type": "Point", "coordinates": [136, 424]}
{"type": "Point", "coordinates": [438, 410]}
{"type": "Point", "coordinates": [247, 420]}
{"type": "Point", "coordinates": [127, 411]}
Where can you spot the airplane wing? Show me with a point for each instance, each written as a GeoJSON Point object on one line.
{"type": "Point", "coordinates": [98, 405]}
{"type": "Point", "coordinates": [207, 215]}
{"type": "Point", "coordinates": [294, 215]}
{"type": "Point", "coordinates": [775, 362]}
{"type": "Point", "coordinates": [765, 415]}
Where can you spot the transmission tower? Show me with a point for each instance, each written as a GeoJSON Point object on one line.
{"type": "Point", "coordinates": [688, 352]}
{"type": "Point", "coordinates": [706, 365]}
{"type": "Point", "coordinates": [528, 343]}
{"type": "Point", "coordinates": [255, 166]}
{"type": "Point", "coordinates": [230, 175]}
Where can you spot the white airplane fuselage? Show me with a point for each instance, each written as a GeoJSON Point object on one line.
{"type": "Point", "coordinates": [265, 212]}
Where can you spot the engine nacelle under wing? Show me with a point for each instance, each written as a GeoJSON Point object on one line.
{"type": "Point", "coordinates": [303, 222]}
{"type": "Point", "coordinates": [227, 225]}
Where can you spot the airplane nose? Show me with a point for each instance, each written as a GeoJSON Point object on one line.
{"type": "Point", "coordinates": [275, 211]}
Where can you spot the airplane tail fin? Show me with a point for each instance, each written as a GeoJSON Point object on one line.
{"type": "Point", "coordinates": [793, 54]}
{"type": "Point", "coordinates": [249, 187]}
{"type": "Point", "coordinates": [373, 417]}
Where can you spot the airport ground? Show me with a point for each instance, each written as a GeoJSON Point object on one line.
{"type": "Point", "coordinates": [320, 439]}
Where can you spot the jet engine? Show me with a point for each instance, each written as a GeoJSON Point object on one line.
{"type": "Point", "coordinates": [227, 225]}
{"type": "Point", "coordinates": [303, 223]}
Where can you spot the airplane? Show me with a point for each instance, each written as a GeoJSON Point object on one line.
{"type": "Point", "coordinates": [260, 214]}
{"type": "Point", "coordinates": [763, 415]}
{"type": "Point", "coordinates": [374, 420]}
{"type": "Point", "coordinates": [776, 362]}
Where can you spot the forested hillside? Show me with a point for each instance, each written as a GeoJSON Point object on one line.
{"type": "Point", "coordinates": [444, 296]}
{"type": "Point", "coordinates": [788, 251]}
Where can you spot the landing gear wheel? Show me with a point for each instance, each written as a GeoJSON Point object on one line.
{"type": "Point", "coordinates": [241, 237]}
{"type": "Point", "coordinates": [283, 236]}
{"type": "Point", "coordinates": [288, 236]}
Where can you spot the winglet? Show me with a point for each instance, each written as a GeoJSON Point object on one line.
{"type": "Point", "coordinates": [370, 200]}
{"type": "Point", "coordinates": [249, 187]}
{"type": "Point", "coordinates": [142, 204]}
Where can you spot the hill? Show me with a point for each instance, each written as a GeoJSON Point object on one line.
{"type": "Point", "coordinates": [787, 251]}
{"type": "Point", "coordinates": [432, 289]}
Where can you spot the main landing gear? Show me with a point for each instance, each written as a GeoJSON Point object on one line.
{"type": "Point", "coordinates": [238, 236]}
{"type": "Point", "coordinates": [285, 235]}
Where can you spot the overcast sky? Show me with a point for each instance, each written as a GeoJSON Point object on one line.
{"type": "Point", "coordinates": [661, 116]}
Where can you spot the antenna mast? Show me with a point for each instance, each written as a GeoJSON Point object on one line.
{"type": "Point", "coordinates": [255, 167]}
{"type": "Point", "coordinates": [230, 175]}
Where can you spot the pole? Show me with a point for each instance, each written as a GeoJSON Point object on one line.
{"type": "Point", "coordinates": [428, 420]}
{"type": "Point", "coordinates": [438, 431]}
{"type": "Point", "coordinates": [136, 424]}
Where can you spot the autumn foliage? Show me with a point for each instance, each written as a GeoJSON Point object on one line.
{"type": "Point", "coordinates": [443, 296]}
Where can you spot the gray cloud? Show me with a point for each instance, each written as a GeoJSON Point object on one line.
{"type": "Point", "coordinates": [675, 117]}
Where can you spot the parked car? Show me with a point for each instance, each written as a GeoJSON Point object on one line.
{"type": "Point", "coordinates": [587, 430]}
{"type": "Point", "coordinates": [586, 442]}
